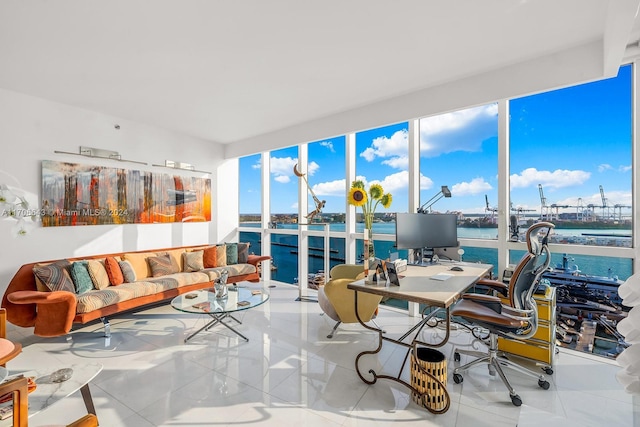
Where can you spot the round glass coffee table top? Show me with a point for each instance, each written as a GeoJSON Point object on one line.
{"type": "Point", "coordinates": [204, 301]}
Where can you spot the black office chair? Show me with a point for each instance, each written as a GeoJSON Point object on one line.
{"type": "Point", "coordinates": [518, 319]}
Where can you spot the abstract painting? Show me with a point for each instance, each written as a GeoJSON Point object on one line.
{"type": "Point", "coordinates": [75, 194]}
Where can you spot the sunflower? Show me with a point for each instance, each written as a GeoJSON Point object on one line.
{"type": "Point", "coordinates": [386, 200]}
{"type": "Point", "coordinates": [376, 191]}
{"type": "Point", "coordinates": [357, 196]}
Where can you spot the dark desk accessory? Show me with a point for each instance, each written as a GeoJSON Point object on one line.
{"type": "Point", "coordinates": [394, 278]}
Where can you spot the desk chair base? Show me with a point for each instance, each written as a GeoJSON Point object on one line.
{"type": "Point", "coordinates": [496, 362]}
{"type": "Point", "coordinates": [335, 327]}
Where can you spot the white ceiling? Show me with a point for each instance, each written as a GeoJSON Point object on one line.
{"type": "Point", "coordinates": [233, 71]}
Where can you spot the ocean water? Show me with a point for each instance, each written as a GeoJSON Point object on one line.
{"type": "Point", "coordinates": [285, 257]}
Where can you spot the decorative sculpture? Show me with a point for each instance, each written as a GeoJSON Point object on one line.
{"type": "Point", "coordinates": [319, 203]}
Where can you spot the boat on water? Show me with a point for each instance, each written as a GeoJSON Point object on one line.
{"type": "Point", "coordinates": [314, 280]}
{"type": "Point", "coordinates": [582, 297]}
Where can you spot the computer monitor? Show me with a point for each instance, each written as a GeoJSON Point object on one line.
{"type": "Point", "coordinates": [426, 231]}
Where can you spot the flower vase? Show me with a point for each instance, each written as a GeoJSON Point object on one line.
{"type": "Point", "coordinates": [368, 255]}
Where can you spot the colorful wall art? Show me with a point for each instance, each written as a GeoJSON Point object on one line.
{"type": "Point", "coordinates": [74, 194]}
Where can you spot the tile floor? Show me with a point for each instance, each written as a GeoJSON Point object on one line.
{"type": "Point", "coordinates": [290, 374]}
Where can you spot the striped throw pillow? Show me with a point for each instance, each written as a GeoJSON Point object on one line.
{"type": "Point", "coordinates": [55, 276]}
{"type": "Point", "coordinates": [193, 261]}
{"type": "Point", "coordinates": [161, 265]}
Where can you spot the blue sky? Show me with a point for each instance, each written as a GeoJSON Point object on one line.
{"type": "Point", "coordinates": [570, 141]}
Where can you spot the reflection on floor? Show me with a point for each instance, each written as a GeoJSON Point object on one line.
{"type": "Point", "coordinates": [290, 374]}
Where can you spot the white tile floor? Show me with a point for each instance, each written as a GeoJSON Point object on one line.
{"type": "Point", "coordinates": [290, 374]}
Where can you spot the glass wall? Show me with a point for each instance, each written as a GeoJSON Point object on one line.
{"type": "Point", "coordinates": [570, 161]}
{"type": "Point", "coordinates": [460, 150]}
{"type": "Point", "coordinates": [250, 191]}
{"type": "Point", "coordinates": [284, 188]}
{"type": "Point", "coordinates": [382, 158]}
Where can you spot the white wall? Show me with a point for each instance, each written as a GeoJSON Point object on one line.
{"type": "Point", "coordinates": [32, 128]}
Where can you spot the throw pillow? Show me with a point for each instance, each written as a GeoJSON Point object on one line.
{"type": "Point", "coordinates": [161, 265]}
{"type": "Point", "coordinates": [128, 273]}
{"type": "Point", "coordinates": [193, 261]}
{"type": "Point", "coordinates": [232, 253]}
{"type": "Point", "coordinates": [209, 257]}
{"type": "Point", "coordinates": [243, 253]}
{"type": "Point", "coordinates": [55, 276]}
{"type": "Point", "coordinates": [221, 256]}
{"type": "Point", "coordinates": [113, 271]}
{"type": "Point", "coordinates": [80, 277]}
{"type": "Point", "coordinates": [98, 274]}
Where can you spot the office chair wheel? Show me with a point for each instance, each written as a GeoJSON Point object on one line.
{"type": "Point", "coordinates": [544, 384]}
{"type": "Point", "coordinates": [548, 371]}
{"type": "Point", "coordinates": [456, 356]}
{"type": "Point", "coordinates": [457, 378]}
{"type": "Point", "coordinates": [515, 399]}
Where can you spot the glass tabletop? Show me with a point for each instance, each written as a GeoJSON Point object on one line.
{"type": "Point", "coordinates": [204, 301]}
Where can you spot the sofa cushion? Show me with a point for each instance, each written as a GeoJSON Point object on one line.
{"type": "Point", "coordinates": [128, 273]}
{"type": "Point", "coordinates": [209, 257]}
{"type": "Point", "coordinates": [80, 276]}
{"type": "Point", "coordinates": [221, 255]}
{"type": "Point", "coordinates": [139, 262]}
{"type": "Point", "coordinates": [232, 253]}
{"type": "Point", "coordinates": [243, 253]}
{"type": "Point", "coordinates": [94, 300]}
{"type": "Point", "coordinates": [55, 276]}
{"type": "Point", "coordinates": [176, 258]}
{"type": "Point", "coordinates": [113, 271]}
{"type": "Point", "coordinates": [193, 261]}
{"type": "Point", "coordinates": [161, 265]}
{"type": "Point", "coordinates": [98, 273]}
{"type": "Point", "coordinates": [234, 270]}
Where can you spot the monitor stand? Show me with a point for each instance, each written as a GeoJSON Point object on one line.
{"type": "Point", "coordinates": [427, 256]}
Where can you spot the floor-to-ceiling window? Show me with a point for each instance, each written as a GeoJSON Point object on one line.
{"type": "Point", "coordinates": [568, 153]}
{"type": "Point", "coordinates": [326, 182]}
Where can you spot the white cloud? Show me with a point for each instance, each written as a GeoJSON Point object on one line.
{"type": "Point", "coordinates": [557, 179]}
{"type": "Point", "coordinates": [604, 167]}
{"type": "Point", "coordinates": [393, 182]}
{"type": "Point", "coordinates": [329, 145]}
{"type": "Point", "coordinates": [425, 182]}
{"type": "Point", "coordinates": [476, 186]}
{"type": "Point", "coordinates": [400, 162]}
{"type": "Point", "coordinates": [624, 168]}
{"type": "Point", "coordinates": [394, 150]}
{"type": "Point", "coordinates": [463, 130]}
{"type": "Point", "coordinates": [330, 188]}
{"type": "Point", "coordinates": [283, 165]}
{"type": "Point", "coordinates": [282, 179]}
{"type": "Point", "coordinates": [294, 206]}
{"type": "Point", "coordinates": [621, 198]}
{"type": "Point", "coordinates": [312, 168]}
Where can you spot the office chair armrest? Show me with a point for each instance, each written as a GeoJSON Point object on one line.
{"type": "Point", "coordinates": [488, 301]}
{"type": "Point", "coordinates": [493, 285]}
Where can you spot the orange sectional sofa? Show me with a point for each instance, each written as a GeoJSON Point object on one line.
{"type": "Point", "coordinates": [154, 275]}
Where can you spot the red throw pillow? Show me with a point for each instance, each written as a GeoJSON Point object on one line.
{"type": "Point", "coordinates": [113, 271]}
{"type": "Point", "coordinates": [209, 257]}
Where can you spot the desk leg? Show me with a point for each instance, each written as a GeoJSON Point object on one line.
{"type": "Point", "coordinates": [88, 401]}
{"type": "Point", "coordinates": [411, 347]}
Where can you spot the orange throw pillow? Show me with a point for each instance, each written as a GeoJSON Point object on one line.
{"type": "Point", "coordinates": [209, 257]}
{"type": "Point", "coordinates": [113, 271]}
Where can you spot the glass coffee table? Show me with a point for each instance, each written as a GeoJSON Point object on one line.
{"type": "Point", "coordinates": [205, 302]}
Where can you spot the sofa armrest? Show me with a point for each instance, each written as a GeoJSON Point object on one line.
{"type": "Point", "coordinates": [255, 259]}
{"type": "Point", "coordinates": [55, 310]}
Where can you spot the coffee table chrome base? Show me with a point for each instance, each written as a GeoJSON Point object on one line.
{"type": "Point", "coordinates": [217, 318]}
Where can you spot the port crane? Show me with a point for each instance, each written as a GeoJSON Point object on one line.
{"type": "Point", "coordinates": [490, 209]}
{"type": "Point", "coordinates": [611, 209]}
{"type": "Point", "coordinates": [546, 211]}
